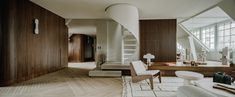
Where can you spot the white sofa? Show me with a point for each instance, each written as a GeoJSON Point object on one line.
{"type": "Point", "coordinates": [193, 91]}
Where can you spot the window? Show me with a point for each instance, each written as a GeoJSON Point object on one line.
{"type": "Point", "coordinates": [180, 49]}
{"type": "Point", "coordinates": [208, 36]}
{"type": "Point", "coordinates": [196, 33]}
{"type": "Point", "coordinates": [226, 35]}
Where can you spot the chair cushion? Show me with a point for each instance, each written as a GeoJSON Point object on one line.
{"type": "Point", "coordinates": [138, 67]}
{"type": "Point", "coordinates": [141, 70]}
{"type": "Point", "coordinates": [149, 72]}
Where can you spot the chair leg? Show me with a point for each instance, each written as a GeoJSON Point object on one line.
{"type": "Point", "coordinates": [151, 82]}
{"type": "Point", "coordinates": [160, 77]}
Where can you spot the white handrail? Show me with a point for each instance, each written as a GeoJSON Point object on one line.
{"type": "Point", "coordinates": [195, 38]}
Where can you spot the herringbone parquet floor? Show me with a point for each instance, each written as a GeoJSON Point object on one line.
{"type": "Point", "coordinates": [70, 82]}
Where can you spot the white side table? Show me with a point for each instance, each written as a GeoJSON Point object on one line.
{"type": "Point", "coordinates": [189, 76]}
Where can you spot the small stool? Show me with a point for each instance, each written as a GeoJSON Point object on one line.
{"type": "Point", "coordinates": [189, 76]}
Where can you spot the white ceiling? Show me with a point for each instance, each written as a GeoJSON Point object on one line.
{"type": "Point", "coordinates": [212, 16]}
{"type": "Point", "coordinates": [148, 9]}
{"type": "Point", "coordinates": [86, 27]}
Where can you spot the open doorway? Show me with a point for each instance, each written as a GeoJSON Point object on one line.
{"type": "Point", "coordinates": [81, 48]}
{"type": "Point", "coordinates": [82, 41]}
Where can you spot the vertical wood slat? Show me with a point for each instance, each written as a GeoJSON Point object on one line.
{"type": "Point", "coordinates": [77, 48]}
{"type": "Point", "coordinates": [80, 46]}
{"type": "Point", "coordinates": [33, 54]}
{"type": "Point", "coordinates": [158, 37]}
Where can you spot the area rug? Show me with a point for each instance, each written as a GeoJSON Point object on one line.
{"type": "Point", "coordinates": [167, 88]}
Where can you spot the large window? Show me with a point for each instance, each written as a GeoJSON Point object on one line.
{"type": "Point", "coordinates": [208, 36]}
{"type": "Point", "coordinates": [196, 33]}
{"type": "Point", "coordinates": [218, 35]}
{"type": "Point", "coordinates": [180, 48]}
{"type": "Point", "coordinates": [226, 35]}
{"type": "Point", "coordinates": [180, 51]}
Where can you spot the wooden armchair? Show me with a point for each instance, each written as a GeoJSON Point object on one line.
{"type": "Point", "coordinates": [139, 73]}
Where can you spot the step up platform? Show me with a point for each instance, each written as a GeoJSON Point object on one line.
{"type": "Point", "coordinates": [115, 66]}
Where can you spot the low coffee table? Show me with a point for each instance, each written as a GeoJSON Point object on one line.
{"type": "Point", "coordinates": [189, 76]}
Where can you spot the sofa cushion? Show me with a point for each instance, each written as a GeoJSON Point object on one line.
{"type": "Point", "coordinates": [168, 64]}
{"type": "Point", "coordinates": [138, 67]}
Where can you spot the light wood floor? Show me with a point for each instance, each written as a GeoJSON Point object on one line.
{"type": "Point", "coordinates": [69, 82]}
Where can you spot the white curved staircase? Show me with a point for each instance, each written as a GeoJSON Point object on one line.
{"type": "Point", "coordinates": [129, 47]}
{"type": "Point", "coordinates": [128, 16]}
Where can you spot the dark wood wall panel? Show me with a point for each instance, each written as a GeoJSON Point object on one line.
{"type": "Point", "coordinates": [77, 48]}
{"type": "Point", "coordinates": [1, 38]}
{"type": "Point", "coordinates": [158, 37]}
{"type": "Point", "coordinates": [81, 48]}
{"type": "Point", "coordinates": [28, 55]}
{"type": "Point", "coordinates": [7, 43]}
{"type": "Point", "coordinates": [63, 44]}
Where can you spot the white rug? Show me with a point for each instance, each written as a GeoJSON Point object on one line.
{"type": "Point", "coordinates": [167, 88]}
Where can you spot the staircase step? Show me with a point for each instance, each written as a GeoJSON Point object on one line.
{"type": "Point", "coordinates": [129, 49]}
{"type": "Point", "coordinates": [130, 52]}
{"type": "Point", "coordinates": [124, 58]}
{"type": "Point", "coordinates": [127, 54]}
{"type": "Point", "coordinates": [129, 44]}
{"type": "Point", "coordinates": [129, 39]}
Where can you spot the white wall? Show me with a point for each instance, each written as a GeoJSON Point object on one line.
{"type": "Point", "coordinates": [109, 40]}
{"type": "Point", "coordinates": [114, 42]}
{"type": "Point", "coordinates": [182, 38]}
{"type": "Point", "coordinates": [101, 37]}
{"type": "Point", "coordinates": [79, 26]}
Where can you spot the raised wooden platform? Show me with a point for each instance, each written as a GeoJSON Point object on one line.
{"type": "Point", "coordinates": [207, 70]}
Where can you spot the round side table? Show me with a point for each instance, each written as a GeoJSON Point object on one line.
{"type": "Point", "coordinates": [189, 76]}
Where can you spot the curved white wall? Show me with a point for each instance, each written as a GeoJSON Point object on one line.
{"type": "Point", "coordinates": [127, 15]}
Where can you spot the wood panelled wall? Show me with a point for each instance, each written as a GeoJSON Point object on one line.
{"type": "Point", "coordinates": [81, 48]}
{"type": "Point", "coordinates": [158, 37]}
{"type": "Point", "coordinates": [25, 55]}
{"type": "Point", "coordinates": [1, 40]}
{"type": "Point", "coordinates": [77, 48]}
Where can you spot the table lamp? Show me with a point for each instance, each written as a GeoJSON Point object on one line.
{"type": "Point", "coordinates": [149, 56]}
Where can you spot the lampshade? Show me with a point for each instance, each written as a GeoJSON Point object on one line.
{"type": "Point", "coordinates": [149, 56]}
